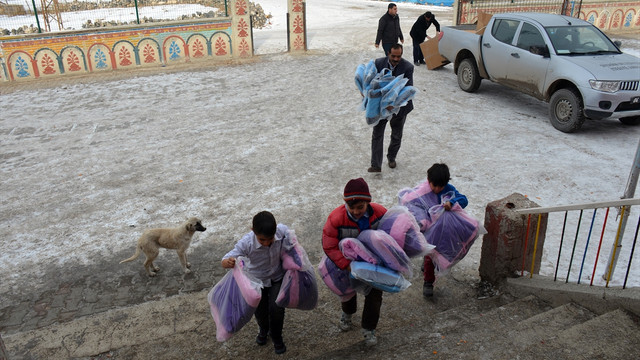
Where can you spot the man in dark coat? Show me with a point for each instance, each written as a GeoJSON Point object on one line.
{"type": "Point", "coordinates": [389, 29]}
{"type": "Point", "coordinates": [419, 33]}
{"type": "Point", "coordinates": [398, 66]}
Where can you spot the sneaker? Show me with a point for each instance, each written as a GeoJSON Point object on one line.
{"type": "Point", "coordinates": [345, 322]}
{"type": "Point", "coordinates": [427, 289]}
{"type": "Point", "coordinates": [392, 164]}
{"type": "Point", "coordinates": [374, 169]}
{"type": "Point", "coordinates": [279, 348]}
{"type": "Point", "coordinates": [369, 337]}
{"type": "Point", "coordinates": [261, 338]}
{"type": "Point", "coordinates": [416, 63]}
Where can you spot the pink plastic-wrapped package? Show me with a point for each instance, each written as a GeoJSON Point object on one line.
{"type": "Point", "coordinates": [402, 226]}
{"type": "Point", "coordinates": [453, 232]}
{"type": "Point", "coordinates": [293, 255]}
{"type": "Point", "coordinates": [386, 250]}
{"type": "Point", "coordinates": [418, 201]}
{"type": "Point", "coordinates": [354, 249]}
{"type": "Point", "coordinates": [299, 290]}
{"type": "Point", "coordinates": [234, 299]}
{"type": "Point", "coordinates": [336, 279]}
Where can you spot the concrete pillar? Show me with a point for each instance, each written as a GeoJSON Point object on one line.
{"type": "Point", "coordinates": [503, 247]}
{"type": "Point", "coordinates": [297, 25]}
{"type": "Point", "coordinates": [242, 32]}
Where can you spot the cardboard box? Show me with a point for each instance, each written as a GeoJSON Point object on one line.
{"type": "Point", "coordinates": [483, 20]}
{"type": "Point", "coordinates": [431, 54]}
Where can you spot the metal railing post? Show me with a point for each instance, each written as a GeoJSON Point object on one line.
{"type": "Point", "coordinates": [35, 11]}
{"type": "Point", "coordinates": [135, 2]}
{"type": "Point", "coordinates": [628, 194]}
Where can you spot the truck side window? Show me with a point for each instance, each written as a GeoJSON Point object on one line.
{"type": "Point", "coordinates": [529, 36]}
{"type": "Point", "coordinates": [504, 30]}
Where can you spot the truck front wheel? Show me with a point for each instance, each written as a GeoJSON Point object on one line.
{"type": "Point", "coordinates": [468, 75]}
{"type": "Point", "coordinates": [565, 110]}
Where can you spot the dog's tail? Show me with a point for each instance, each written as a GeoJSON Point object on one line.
{"type": "Point", "coordinates": [135, 256]}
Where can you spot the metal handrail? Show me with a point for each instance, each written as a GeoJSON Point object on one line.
{"type": "Point", "coordinates": [624, 206]}
{"type": "Point", "coordinates": [595, 205]}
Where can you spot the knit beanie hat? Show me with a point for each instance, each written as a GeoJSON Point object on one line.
{"type": "Point", "coordinates": [357, 189]}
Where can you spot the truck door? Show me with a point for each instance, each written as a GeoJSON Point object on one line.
{"type": "Point", "coordinates": [527, 67]}
{"type": "Point", "coordinates": [495, 45]}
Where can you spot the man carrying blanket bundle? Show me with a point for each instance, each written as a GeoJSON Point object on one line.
{"type": "Point", "coordinates": [398, 66]}
{"type": "Point", "coordinates": [357, 214]}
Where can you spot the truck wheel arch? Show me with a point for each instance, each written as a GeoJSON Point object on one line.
{"type": "Point", "coordinates": [463, 54]}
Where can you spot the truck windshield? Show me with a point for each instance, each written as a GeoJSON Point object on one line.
{"type": "Point", "coordinates": [580, 40]}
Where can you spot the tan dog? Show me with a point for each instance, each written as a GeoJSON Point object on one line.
{"type": "Point", "coordinates": [177, 238]}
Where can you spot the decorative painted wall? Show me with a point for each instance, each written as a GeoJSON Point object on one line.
{"type": "Point", "coordinates": [606, 15]}
{"type": "Point", "coordinates": [36, 56]}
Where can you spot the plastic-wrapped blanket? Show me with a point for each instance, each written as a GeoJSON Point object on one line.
{"type": "Point", "coordinates": [402, 226]}
{"type": "Point", "coordinates": [354, 249]}
{"type": "Point", "coordinates": [299, 290]}
{"type": "Point", "coordinates": [293, 255]}
{"type": "Point", "coordinates": [418, 201]}
{"type": "Point", "coordinates": [336, 279]}
{"type": "Point", "coordinates": [379, 277]}
{"type": "Point", "coordinates": [386, 250]}
{"type": "Point", "coordinates": [380, 91]}
{"type": "Point", "coordinates": [234, 299]}
{"type": "Point", "coordinates": [453, 232]}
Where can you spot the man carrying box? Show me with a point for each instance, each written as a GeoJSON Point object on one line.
{"type": "Point", "coordinates": [419, 33]}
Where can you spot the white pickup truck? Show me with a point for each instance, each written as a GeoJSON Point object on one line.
{"type": "Point", "coordinates": [559, 59]}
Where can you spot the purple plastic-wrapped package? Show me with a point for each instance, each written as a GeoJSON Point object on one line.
{"type": "Point", "coordinates": [453, 232]}
{"type": "Point", "coordinates": [402, 226]}
{"type": "Point", "coordinates": [336, 279]}
{"type": "Point", "coordinates": [299, 290]}
{"type": "Point", "coordinates": [386, 250]}
{"type": "Point", "coordinates": [418, 200]}
{"type": "Point", "coordinates": [234, 299]}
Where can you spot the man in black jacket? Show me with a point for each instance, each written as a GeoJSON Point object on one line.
{"type": "Point", "coordinates": [389, 29]}
{"type": "Point", "coordinates": [398, 66]}
{"type": "Point", "coordinates": [419, 33]}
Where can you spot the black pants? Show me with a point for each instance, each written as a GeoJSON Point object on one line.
{"type": "Point", "coordinates": [371, 311]}
{"type": "Point", "coordinates": [270, 317]}
{"type": "Point", "coordinates": [377, 140]}
{"type": "Point", "coordinates": [418, 57]}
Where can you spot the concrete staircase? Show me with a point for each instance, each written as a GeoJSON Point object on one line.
{"type": "Point", "coordinates": [530, 321]}
{"type": "Point", "coordinates": [506, 328]}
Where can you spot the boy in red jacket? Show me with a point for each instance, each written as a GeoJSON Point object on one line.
{"type": "Point", "coordinates": [358, 213]}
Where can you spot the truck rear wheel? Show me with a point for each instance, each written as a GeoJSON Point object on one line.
{"type": "Point", "coordinates": [468, 75]}
{"type": "Point", "coordinates": [565, 110]}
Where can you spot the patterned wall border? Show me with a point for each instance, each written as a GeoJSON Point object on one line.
{"type": "Point", "coordinates": [32, 57]}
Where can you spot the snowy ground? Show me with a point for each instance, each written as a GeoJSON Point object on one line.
{"type": "Point", "coordinates": [87, 165]}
